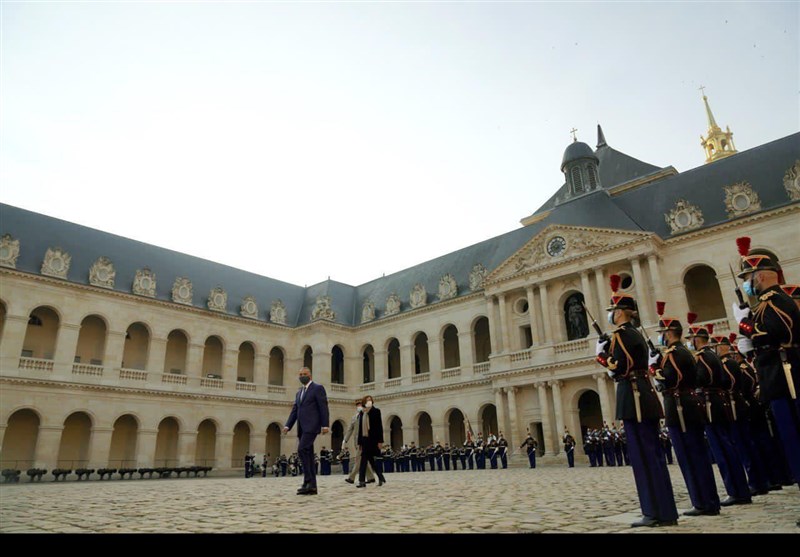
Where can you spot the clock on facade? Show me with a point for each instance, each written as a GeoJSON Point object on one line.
{"type": "Point", "coordinates": [556, 246]}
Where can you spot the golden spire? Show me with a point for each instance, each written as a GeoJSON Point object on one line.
{"type": "Point", "coordinates": [718, 144]}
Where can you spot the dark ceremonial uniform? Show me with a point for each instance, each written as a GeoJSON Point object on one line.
{"type": "Point", "coordinates": [502, 447]}
{"type": "Point", "coordinates": [491, 449]}
{"type": "Point", "coordinates": [480, 454]}
{"type": "Point", "coordinates": [617, 439]}
{"type": "Point", "coordinates": [325, 462]}
{"type": "Point", "coordinates": [530, 445]}
{"type": "Point", "coordinates": [462, 456]}
{"type": "Point", "coordinates": [455, 454]}
{"type": "Point", "coordinates": [686, 420]}
{"type": "Point", "coordinates": [626, 358]}
{"type": "Point", "coordinates": [264, 464]}
{"type": "Point", "coordinates": [388, 460]}
{"type": "Point", "coordinates": [283, 463]}
{"type": "Point", "coordinates": [774, 328]}
{"type": "Point", "coordinates": [588, 448]}
{"type": "Point", "coordinates": [412, 456]}
{"type": "Point", "coordinates": [446, 457]}
{"type": "Point", "coordinates": [248, 466]}
{"type": "Point", "coordinates": [716, 383]}
{"type": "Point", "coordinates": [431, 454]}
{"type": "Point", "coordinates": [569, 449]}
{"type": "Point", "coordinates": [607, 444]}
{"type": "Point", "coordinates": [666, 444]}
{"type": "Point", "coordinates": [344, 458]}
{"type": "Point", "coordinates": [438, 454]}
{"type": "Point", "coordinates": [469, 451]}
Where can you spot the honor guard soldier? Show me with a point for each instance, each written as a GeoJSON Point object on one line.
{"type": "Point", "coordinates": [412, 456]}
{"type": "Point", "coordinates": [462, 456]}
{"type": "Point", "coordinates": [666, 444]}
{"type": "Point", "coordinates": [607, 444]}
{"type": "Point", "coordinates": [388, 460]}
{"type": "Point", "coordinates": [502, 446]}
{"type": "Point", "coordinates": [283, 462]}
{"type": "Point", "coordinates": [625, 355]}
{"type": "Point", "coordinates": [469, 450]}
{"type": "Point", "coordinates": [675, 372]}
{"type": "Point", "coordinates": [480, 452]}
{"type": "Point", "coordinates": [491, 449]}
{"type": "Point", "coordinates": [793, 291]}
{"type": "Point", "coordinates": [617, 438]}
{"type": "Point", "coordinates": [715, 384]}
{"type": "Point", "coordinates": [325, 462]}
{"type": "Point", "coordinates": [344, 458]}
{"type": "Point", "coordinates": [530, 445]}
{"type": "Point", "coordinates": [588, 449]}
{"type": "Point", "coordinates": [438, 454]}
{"type": "Point", "coordinates": [773, 328]}
{"type": "Point", "coordinates": [264, 464]}
{"type": "Point", "coordinates": [569, 448]}
{"type": "Point", "coordinates": [248, 465]}
{"type": "Point", "coordinates": [446, 456]}
{"type": "Point", "coordinates": [757, 478]}
{"type": "Point", "coordinates": [455, 455]}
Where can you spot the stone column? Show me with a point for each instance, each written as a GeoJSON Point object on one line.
{"type": "Point", "coordinates": [605, 401]}
{"type": "Point", "coordinates": [435, 357]}
{"type": "Point", "coordinates": [321, 367]}
{"type": "Point", "coordinates": [439, 433]}
{"type": "Point", "coordinates": [546, 314]}
{"type": "Point", "coordinates": [261, 368]}
{"type": "Point", "coordinates": [505, 327]}
{"type": "Point", "coordinates": [146, 448]}
{"type": "Point", "coordinates": [115, 348]}
{"type": "Point", "coordinates": [11, 343]}
{"type": "Point", "coordinates": [194, 361]}
{"type": "Point", "coordinates": [655, 276]}
{"type": "Point", "coordinates": [230, 367]}
{"type": "Point", "coordinates": [406, 362]}
{"type": "Point", "coordinates": [381, 367]}
{"type": "Point", "coordinates": [557, 407]}
{"type": "Point", "coordinates": [603, 292]}
{"type": "Point", "coordinates": [2, 434]}
{"type": "Point", "coordinates": [156, 354]}
{"type": "Point", "coordinates": [465, 351]}
{"type": "Point", "coordinates": [515, 434]}
{"type": "Point", "coordinates": [222, 450]}
{"type": "Point", "coordinates": [646, 309]}
{"type": "Point", "coordinates": [47, 444]}
{"type": "Point", "coordinates": [494, 330]}
{"type": "Point", "coordinates": [547, 425]}
{"type": "Point", "coordinates": [100, 447]}
{"type": "Point", "coordinates": [588, 296]}
{"type": "Point", "coordinates": [66, 346]}
{"type": "Point", "coordinates": [187, 445]}
{"type": "Point", "coordinates": [499, 402]}
{"type": "Point", "coordinates": [536, 334]}
{"type": "Point", "coordinates": [353, 370]}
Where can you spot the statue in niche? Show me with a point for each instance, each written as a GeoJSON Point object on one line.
{"type": "Point", "coordinates": [575, 317]}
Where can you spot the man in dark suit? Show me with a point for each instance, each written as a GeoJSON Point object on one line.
{"type": "Point", "coordinates": [310, 411]}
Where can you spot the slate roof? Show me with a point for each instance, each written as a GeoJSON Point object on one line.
{"type": "Point", "coordinates": [642, 208]}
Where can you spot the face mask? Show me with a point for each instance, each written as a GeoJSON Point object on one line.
{"type": "Point", "coordinates": [662, 339]}
{"type": "Point", "coordinates": [369, 404]}
{"type": "Point", "coordinates": [691, 345]}
{"type": "Point", "coordinates": [610, 317]}
{"type": "Point", "coordinates": [359, 409]}
{"type": "Point", "coordinates": [304, 379]}
{"type": "Point", "coordinates": [749, 288]}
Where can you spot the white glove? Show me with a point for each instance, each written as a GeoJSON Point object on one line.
{"type": "Point", "coordinates": [745, 345]}
{"type": "Point", "coordinates": [653, 360]}
{"type": "Point", "coordinates": [740, 313]}
{"type": "Point", "coordinates": [600, 347]}
{"type": "Point", "coordinates": [610, 373]}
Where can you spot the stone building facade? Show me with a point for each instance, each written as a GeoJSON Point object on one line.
{"type": "Point", "coordinates": [113, 352]}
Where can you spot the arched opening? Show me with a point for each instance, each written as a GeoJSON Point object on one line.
{"type": "Point", "coordinates": [337, 365]}
{"type": "Point", "coordinates": [337, 436]}
{"type": "Point", "coordinates": [206, 446]}
{"type": "Point", "coordinates": [137, 345]}
{"type": "Point", "coordinates": [175, 356]}
{"type": "Point", "coordinates": [592, 176]}
{"type": "Point", "coordinates": [73, 450]}
{"type": "Point", "coordinates": [2, 319]}
{"type": "Point", "coordinates": [393, 359]}
{"type": "Point", "coordinates": [19, 441]}
{"type": "Point", "coordinates": [369, 364]}
{"type": "Point", "coordinates": [212, 358]}
{"type": "Point", "coordinates": [421, 361]}
{"type": "Point", "coordinates": [456, 427]}
{"type": "Point", "coordinates": [425, 429]}
{"type": "Point", "coordinates": [167, 443]}
{"type": "Point", "coordinates": [241, 444]}
{"type": "Point", "coordinates": [308, 358]}
{"type": "Point", "coordinates": [452, 357]}
{"type": "Point", "coordinates": [589, 411]}
{"type": "Point", "coordinates": [247, 363]}
{"type": "Point", "coordinates": [489, 420]}
{"type": "Point", "coordinates": [273, 442]}
{"type": "Point", "coordinates": [41, 334]}
{"type": "Point", "coordinates": [577, 326]}
{"type": "Point", "coordinates": [276, 366]}
{"type": "Point", "coordinates": [123, 442]}
{"type": "Point", "coordinates": [91, 341]}
{"type": "Point", "coordinates": [480, 336]}
{"type": "Point", "coordinates": [396, 433]}
{"type": "Point", "coordinates": [703, 294]}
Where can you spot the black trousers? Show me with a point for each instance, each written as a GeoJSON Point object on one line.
{"type": "Point", "coordinates": [305, 450]}
{"type": "Point", "coordinates": [362, 470]}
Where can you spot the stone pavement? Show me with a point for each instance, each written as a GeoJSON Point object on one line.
{"type": "Point", "coordinates": [548, 499]}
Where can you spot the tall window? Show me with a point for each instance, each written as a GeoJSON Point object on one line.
{"type": "Point", "coordinates": [577, 180]}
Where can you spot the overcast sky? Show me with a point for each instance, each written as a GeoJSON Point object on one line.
{"type": "Point", "coordinates": [307, 140]}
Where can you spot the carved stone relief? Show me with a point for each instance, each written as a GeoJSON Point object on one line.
{"type": "Point", "coordinates": [584, 241]}
{"type": "Point", "coordinates": [419, 296]}
{"type": "Point", "coordinates": [322, 309]}
{"type": "Point", "coordinates": [684, 216]}
{"type": "Point", "coordinates": [182, 291]}
{"type": "Point", "coordinates": [102, 273]}
{"type": "Point", "coordinates": [249, 307]}
{"type": "Point", "coordinates": [791, 181]}
{"type": "Point", "coordinates": [740, 199]}
{"type": "Point", "coordinates": [448, 288]}
{"type": "Point", "coordinates": [277, 312]}
{"type": "Point", "coordinates": [393, 304]}
{"type": "Point", "coordinates": [56, 263]}
{"type": "Point", "coordinates": [477, 276]}
{"type": "Point", "coordinates": [144, 283]}
{"type": "Point", "coordinates": [367, 311]}
{"type": "Point", "coordinates": [531, 256]}
{"type": "Point", "coordinates": [9, 251]}
{"type": "Point", "coordinates": [217, 299]}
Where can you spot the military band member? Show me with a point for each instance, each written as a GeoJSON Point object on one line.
{"type": "Point", "coordinates": [530, 446]}
{"type": "Point", "coordinates": [675, 372]}
{"type": "Point", "coordinates": [569, 447]}
{"type": "Point", "coordinates": [625, 356]}
{"type": "Point", "coordinates": [715, 384]}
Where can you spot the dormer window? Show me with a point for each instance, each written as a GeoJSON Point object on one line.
{"type": "Point", "coordinates": [577, 181]}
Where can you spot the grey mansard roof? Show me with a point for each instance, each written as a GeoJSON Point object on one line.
{"type": "Point", "coordinates": [638, 209]}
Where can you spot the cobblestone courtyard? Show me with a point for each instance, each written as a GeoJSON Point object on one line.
{"type": "Point", "coordinates": [548, 499]}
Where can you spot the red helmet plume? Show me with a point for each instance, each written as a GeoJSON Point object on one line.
{"type": "Point", "coordinates": [743, 244]}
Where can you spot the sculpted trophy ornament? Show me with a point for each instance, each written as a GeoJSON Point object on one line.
{"type": "Point", "coordinates": [217, 299]}
{"type": "Point", "coordinates": [791, 181]}
{"type": "Point", "coordinates": [477, 276]}
{"type": "Point", "coordinates": [182, 291]}
{"type": "Point", "coordinates": [393, 304]}
{"type": "Point", "coordinates": [684, 216]}
{"type": "Point", "coordinates": [9, 251]}
{"type": "Point", "coordinates": [56, 263]}
{"type": "Point", "coordinates": [448, 288]}
{"type": "Point", "coordinates": [249, 307]}
{"type": "Point", "coordinates": [144, 283]}
{"type": "Point", "coordinates": [277, 312]}
{"type": "Point", "coordinates": [322, 309]}
{"type": "Point", "coordinates": [418, 297]}
{"type": "Point", "coordinates": [367, 311]}
{"type": "Point", "coordinates": [102, 273]}
{"type": "Point", "coordinates": [741, 199]}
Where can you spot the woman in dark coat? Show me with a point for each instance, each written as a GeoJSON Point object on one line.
{"type": "Point", "coordinates": [370, 439]}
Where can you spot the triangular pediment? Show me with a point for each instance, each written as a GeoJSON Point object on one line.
{"type": "Point", "coordinates": [558, 244]}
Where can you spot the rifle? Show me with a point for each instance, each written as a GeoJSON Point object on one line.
{"type": "Point", "coordinates": [603, 336]}
{"type": "Point", "coordinates": [742, 303]}
{"type": "Point", "coordinates": [653, 350]}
